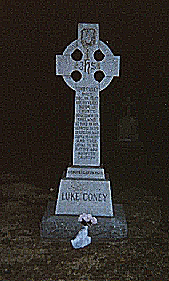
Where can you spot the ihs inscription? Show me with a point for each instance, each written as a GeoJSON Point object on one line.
{"type": "Point", "coordinates": [87, 66]}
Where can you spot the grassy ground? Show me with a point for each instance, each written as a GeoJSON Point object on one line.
{"type": "Point", "coordinates": [24, 256]}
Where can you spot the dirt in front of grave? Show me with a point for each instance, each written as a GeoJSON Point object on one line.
{"type": "Point", "coordinates": [25, 256]}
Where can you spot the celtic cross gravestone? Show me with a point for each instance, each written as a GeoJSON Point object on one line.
{"type": "Point", "coordinates": [87, 66]}
{"type": "Point", "coordinates": [81, 65]}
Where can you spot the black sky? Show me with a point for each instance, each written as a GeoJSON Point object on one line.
{"type": "Point", "coordinates": [38, 106]}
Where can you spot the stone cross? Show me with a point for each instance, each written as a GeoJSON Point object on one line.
{"type": "Point", "coordinates": [87, 66]}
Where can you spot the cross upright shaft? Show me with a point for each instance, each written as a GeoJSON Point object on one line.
{"type": "Point", "coordinates": [86, 146]}
{"type": "Point", "coordinates": [81, 64]}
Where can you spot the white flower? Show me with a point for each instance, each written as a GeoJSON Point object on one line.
{"type": "Point", "coordinates": [82, 217]}
{"type": "Point", "coordinates": [87, 218]}
{"type": "Point", "coordinates": [93, 220]}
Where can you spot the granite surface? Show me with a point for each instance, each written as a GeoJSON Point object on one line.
{"type": "Point", "coordinates": [77, 196]}
{"type": "Point", "coordinates": [67, 226]}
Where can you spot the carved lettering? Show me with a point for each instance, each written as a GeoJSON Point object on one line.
{"type": "Point", "coordinates": [101, 197]}
{"type": "Point", "coordinates": [85, 196]}
{"type": "Point", "coordinates": [85, 172]}
{"type": "Point", "coordinates": [87, 66]}
{"type": "Point", "coordinates": [85, 89]}
{"type": "Point", "coordinates": [87, 126]}
{"type": "Point", "coordinates": [70, 196]}
{"type": "Point", "coordinates": [104, 195]}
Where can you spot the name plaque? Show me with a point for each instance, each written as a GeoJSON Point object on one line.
{"type": "Point", "coordinates": [91, 196]}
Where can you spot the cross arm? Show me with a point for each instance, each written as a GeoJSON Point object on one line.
{"type": "Point", "coordinates": [64, 65]}
{"type": "Point", "coordinates": [111, 65]}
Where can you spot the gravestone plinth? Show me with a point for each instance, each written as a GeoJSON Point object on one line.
{"type": "Point", "coordinates": [87, 66]}
{"type": "Point", "coordinates": [78, 196]}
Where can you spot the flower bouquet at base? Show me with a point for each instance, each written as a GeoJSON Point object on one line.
{"type": "Point", "coordinates": [82, 239]}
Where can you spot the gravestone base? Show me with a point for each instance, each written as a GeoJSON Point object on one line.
{"type": "Point", "coordinates": [67, 226]}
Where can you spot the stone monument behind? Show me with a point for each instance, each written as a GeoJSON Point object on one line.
{"type": "Point", "coordinates": [87, 66]}
{"type": "Point", "coordinates": [129, 152]}
{"type": "Point", "coordinates": [128, 125]}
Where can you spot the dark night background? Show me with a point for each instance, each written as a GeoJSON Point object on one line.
{"type": "Point", "coordinates": [37, 130]}
{"type": "Point", "coordinates": [38, 107]}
